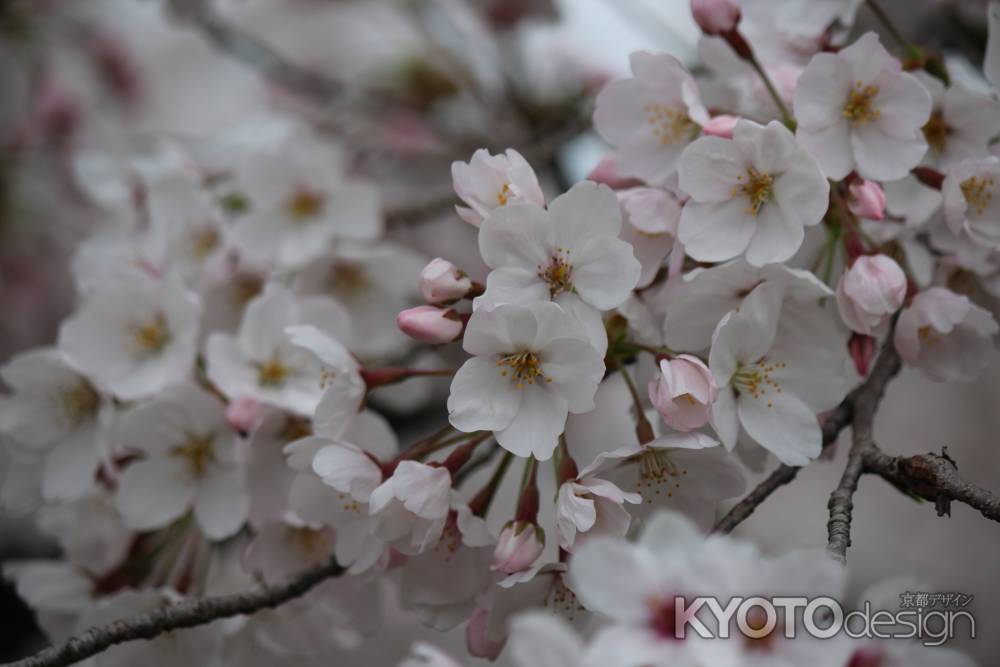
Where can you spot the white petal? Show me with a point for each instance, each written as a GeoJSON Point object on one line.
{"type": "Point", "coordinates": [709, 168]}
{"type": "Point", "coordinates": [481, 398]}
{"type": "Point", "coordinates": [536, 427]}
{"type": "Point", "coordinates": [587, 210]}
{"type": "Point", "coordinates": [519, 234]}
{"type": "Point", "coordinates": [614, 578]}
{"type": "Point", "coordinates": [777, 238]}
{"type": "Point", "coordinates": [222, 504]}
{"type": "Point", "coordinates": [831, 146]}
{"type": "Point", "coordinates": [151, 494]}
{"type": "Point", "coordinates": [716, 232]}
{"type": "Point", "coordinates": [782, 424]}
{"type": "Point", "coordinates": [71, 466]}
{"type": "Point", "coordinates": [821, 92]}
{"type": "Point", "coordinates": [605, 271]}
{"type": "Point", "coordinates": [540, 639]}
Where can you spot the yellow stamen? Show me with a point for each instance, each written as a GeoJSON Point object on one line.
{"type": "Point", "coordinates": [79, 403]}
{"type": "Point", "coordinates": [936, 131]}
{"type": "Point", "coordinates": [521, 367]}
{"type": "Point", "coordinates": [149, 337]}
{"type": "Point", "coordinates": [670, 125]}
{"type": "Point", "coordinates": [757, 187]}
{"type": "Point", "coordinates": [978, 192]}
{"type": "Point", "coordinates": [273, 372]}
{"type": "Point", "coordinates": [305, 204]}
{"type": "Point", "coordinates": [859, 108]}
{"type": "Point", "coordinates": [197, 453]}
{"type": "Point", "coordinates": [504, 195]}
{"type": "Point", "coordinates": [558, 274]}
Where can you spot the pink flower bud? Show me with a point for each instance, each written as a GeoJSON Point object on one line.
{"type": "Point", "coordinates": [720, 126]}
{"type": "Point", "coordinates": [520, 544]}
{"type": "Point", "coordinates": [430, 324]}
{"type": "Point", "coordinates": [867, 200]}
{"type": "Point", "coordinates": [862, 350]}
{"type": "Point", "coordinates": [441, 282]}
{"type": "Point", "coordinates": [869, 292]}
{"type": "Point", "coordinates": [606, 172]}
{"type": "Point", "coordinates": [476, 638]}
{"type": "Point", "coordinates": [243, 413]}
{"type": "Point", "coordinates": [683, 392]}
{"type": "Point", "coordinates": [715, 16]}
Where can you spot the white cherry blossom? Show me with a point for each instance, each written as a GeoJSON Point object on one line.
{"type": "Point", "coordinates": [133, 335]}
{"type": "Point", "coordinates": [857, 110]}
{"type": "Point", "coordinates": [945, 335]}
{"type": "Point", "coordinates": [487, 182]}
{"type": "Point", "coordinates": [570, 254]}
{"type": "Point", "coordinates": [773, 385]}
{"type": "Point", "coordinates": [300, 201]}
{"type": "Point", "coordinates": [190, 461]}
{"type": "Point", "coordinates": [262, 362]}
{"type": "Point", "coordinates": [54, 409]}
{"type": "Point", "coordinates": [961, 125]}
{"type": "Point", "coordinates": [969, 203]}
{"type": "Point", "coordinates": [753, 194]}
{"type": "Point", "coordinates": [531, 367]}
{"type": "Point", "coordinates": [651, 117]}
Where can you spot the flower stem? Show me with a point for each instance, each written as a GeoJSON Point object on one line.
{"type": "Point", "coordinates": [786, 116]}
{"type": "Point", "coordinates": [643, 429]}
{"type": "Point", "coordinates": [883, 18]}
{"type": "Point", "coordinates": [480, 504]}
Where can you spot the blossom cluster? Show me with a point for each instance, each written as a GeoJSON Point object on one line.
{"type": "Point", "coordinates": [214, 411]}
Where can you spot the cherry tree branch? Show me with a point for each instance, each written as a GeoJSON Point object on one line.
{"type": "Point", "coordinates": [932, 477]}
{"type": "Point", "coordinates": [866, 400]}
{"type": "Point", "coordinates": [250, 50]}
{"type": "Point", "coordinates": [186, 614]}
{"type": "Point", "coordinates": [884, 370]}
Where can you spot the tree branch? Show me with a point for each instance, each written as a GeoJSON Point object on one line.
{"type": "Point", "coordinates": [932, 477]}
{"type": "Point", "coordinates": [885, 369]}
{"type": "Point", "coordinates": [186, 614]}
{"type": "Point", "coordinates": [253, 52]}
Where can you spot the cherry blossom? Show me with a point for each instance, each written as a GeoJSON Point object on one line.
{"type": "Point", "coordinates": [300, 203]}
{"type": "Point", "coordinates": [945, 335]}
{"type": "Point", "coordinates": [968, 200]}
{"type": "Point", "coordinates": [961, 125]}
{"type": "Point", "coordinates": [683, 392]}
{"type": "Point", "coordinates": [56, 410]}
{"type": "Point", "coordinates": [410, 508]}
{"type": "Point", "coordinates": [771, 386]}
{"type": "Point", "coordinates": [752, 195]}
{"type": "Point", "coordinates": [442, 282]}
{"type": "Point", "coordinates": [263, 363]}
{"type": "Point", "coordinates": [569, 254]}
{"type": "Point", "coordinates": [488, 182]}
{"type": "Point", "coordinates": [869, 292]}
{"type": "Point", "coordinates": [189, 461]}
{"type": "Point", "coordinates": [133, 337]}
{"type": "Point", "coordinates": [651, 117]}
{"type": "Point", "coordinates": [857, 110]}
{"type": "Point", "coordinates": [531, 367]}
{"type": "Point", "coordinates": [590, 507]}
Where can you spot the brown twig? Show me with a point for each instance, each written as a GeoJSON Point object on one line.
{"type": "Point", "coordinates": [253, 52]}
{"type": "Point", "coordinates": [932, 477]}
{"type": "Point", "coordinates": [186, 614]}
{"type": "Point", "coordinates": [885, 369]}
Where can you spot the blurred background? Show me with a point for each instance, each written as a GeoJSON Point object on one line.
{"type": "Point", "coordinates": [406, 87]}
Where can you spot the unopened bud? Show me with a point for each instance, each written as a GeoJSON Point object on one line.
{"type": "Point", "coordinates": [442, 282]}
{"type": "Point", "coordinates": [519, 546]}
{"type": "Point", "coordinates": [867, 200]}
{"type": "Point", "coordinates": [720, 126]}
{"type": "Point", "coordinates": [715, 16]}
{"type": "Point", "coordinates": [430, 324]}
